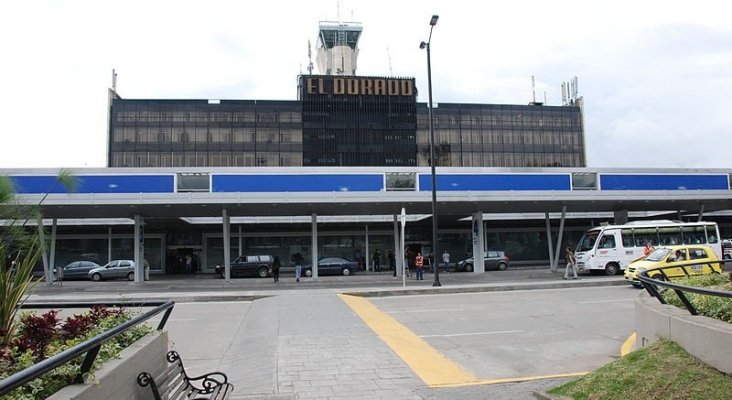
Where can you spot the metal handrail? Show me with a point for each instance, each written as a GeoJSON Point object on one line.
{"type": "Point", "coordinates": [90, 347]}
{"type": "Point", "coordinates": [651, 284]}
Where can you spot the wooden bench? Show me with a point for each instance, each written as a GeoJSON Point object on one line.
{"type": "Point", "coordinates": [174, 382]}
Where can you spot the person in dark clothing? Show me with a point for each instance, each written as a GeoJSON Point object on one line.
{"type": "Point", "coordinates": [392, 261]}
{"type": "Point", "coordinates": [276, 269]}
{"type": "Point", "coordinates": [297, 259]}
{"type": "Point", "coordinates": [377, 260]}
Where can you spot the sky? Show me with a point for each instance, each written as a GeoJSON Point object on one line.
{"type": "Point", "coordinates": [655, 76]}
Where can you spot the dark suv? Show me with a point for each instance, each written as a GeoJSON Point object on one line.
{"type": "Point", "coordinates": [260, 265]}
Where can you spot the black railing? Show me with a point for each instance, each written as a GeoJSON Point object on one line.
{"type": "Point", "coordinates": [660, 278]}
{"type": "Point", "coordinates": [90, 347]}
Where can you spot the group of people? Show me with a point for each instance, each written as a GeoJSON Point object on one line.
{"type": "Point", "coordinates": [296, 259]}
{"type": "Point", "coordinates": [572, 262]}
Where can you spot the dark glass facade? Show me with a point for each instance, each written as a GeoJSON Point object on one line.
{"type": "Point", "coordinates": [202, 133]}
{"type": "Point", "coordinates": [342, 121]}
{"type": "Point", "coordinates": [358, 121]}
{"type": "Point", "coordinates": [494, 135]}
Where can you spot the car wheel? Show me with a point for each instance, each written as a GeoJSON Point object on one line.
{"type": "Point", "coordinates": [262, 272]}
{"type": "Point", "coordinates": [131, 276]}
{"type": "Point", "coordinates": [612, 269]}
{"type": "Point", "coordinates": [727, 256]}
{"type": "Point", "coordinates": [309, 273]}
{"type": "Point", "coordinates": [502, 266]}
{"type": "Point", "coordinates": [468, 267]}
{"type": "Point", "coordinates": [346, 271]}
{"type": "Point", "coordinates": [96, 277]}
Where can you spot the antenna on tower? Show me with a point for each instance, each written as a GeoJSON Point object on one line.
{"type": "Point", "coordinates": [391, 73]}
{"type": "Point", "coordinates": [310, 59]}
{"type": "Point", "coordinates": [114, 80]}
{"type": "Point", "coordinates": [533, 94]}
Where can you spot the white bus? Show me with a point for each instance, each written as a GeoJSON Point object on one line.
{"type": "Point", "coordinates": [611, 248]}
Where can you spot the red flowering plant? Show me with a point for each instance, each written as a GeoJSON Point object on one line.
{"type": "Point", "coordinates": [41, 336]}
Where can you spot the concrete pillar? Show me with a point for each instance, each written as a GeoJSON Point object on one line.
{"type": "Point", "coordinates": [367, 256]}
{"type": "Point", "coordinates": [478, 241]}
{"type": "Point", "coordinates": [549, 241]}
{"type": "Point", "coordinates": [558, 253]}
{"type": "Point", "coordinates": [52, 253]}
{"type": "Point", "coordinates": [620, 217]}
{"type": "Point", "coordinates": [109, 244]}
{"type": "Point", "coordinates": [240, 242]}
{"type": "Point", "coordinates": [701, 213]}
{"type": "Point", "coordinates": [139, 249]}
{"type": "Point", "coordinates": [399, 260]}
{"type": "Point", "coordinates": [314, 240]}
{"type": "Point", "coordinates": [47, 270]}
{"type": "Point", "coordinates": [226, 225]}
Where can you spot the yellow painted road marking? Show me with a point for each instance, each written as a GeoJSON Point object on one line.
{"type": "Point", "coordinates": [627, 346]}
{"type": "Point", "coordinates": [430, 365]}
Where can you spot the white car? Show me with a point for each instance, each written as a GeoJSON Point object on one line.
{"type": "Point", "coordinates": [114, 269]}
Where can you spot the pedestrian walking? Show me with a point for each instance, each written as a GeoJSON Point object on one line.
{"type": "Point", "coordinates": [446, 259]}
{"type": "Point", "coordinates": [276, 269]}
{"type": "Point", "coordinates": [571, 262]}
{"type": "Point", "coordinates": [392, 261]}
{"type": "Point", "coordinates": [377, 260]}
{"type": "Point", "coordinates": [419, 266]}
{"type": "Point", "coordinates": [297, 259]}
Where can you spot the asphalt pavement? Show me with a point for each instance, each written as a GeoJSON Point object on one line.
{"type": "Point", "coordinates": [304, 340]}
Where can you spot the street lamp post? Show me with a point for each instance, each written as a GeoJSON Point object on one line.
{"type": "Point", "coordinates": [435, 264]}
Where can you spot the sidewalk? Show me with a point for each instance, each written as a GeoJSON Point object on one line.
{"type": "Point", "coordinates": [207, 287]}
{"type": "Point", "coordinates": [300, 340]}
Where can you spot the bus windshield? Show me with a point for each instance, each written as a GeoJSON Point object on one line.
{"type": "Point", "coordinates": [588, 240]}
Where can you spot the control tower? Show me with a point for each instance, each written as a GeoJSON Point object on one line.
{"type": "Point", "coordinates": [338, 47]}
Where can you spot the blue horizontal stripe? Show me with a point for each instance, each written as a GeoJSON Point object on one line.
{"type": "Point", "coordinates": [664, 182]}
{"type": "Point", "coordinates": [96, 184]}
{"type": "Point", "coordinates": [298, 183]}
{"type": "Point", "coordinates": [496, 182]}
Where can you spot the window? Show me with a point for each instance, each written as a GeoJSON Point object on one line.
{"type": "Point", "coordinates": [669, 236]}
{"type": "Point", "coordinates": [584, 181]}
{"type": "Point", "coordinates": [607, 242]}
{"type": "Point", "coordinates": [401, 181]}
{"type": "Point", "coordinates": [193, 182]}
{"type": "Point", "coordinates": [697, 254]}
{"type": "Point", "coordinates": [626, 236]}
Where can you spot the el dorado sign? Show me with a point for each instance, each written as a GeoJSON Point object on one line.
{"type": "Point", "coordinates": [357, 86]}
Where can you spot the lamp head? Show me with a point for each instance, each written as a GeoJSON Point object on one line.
{"type": "Point", "coordinates": [433, 21]}
{"type": "Point", "coordinates": [422, 45]}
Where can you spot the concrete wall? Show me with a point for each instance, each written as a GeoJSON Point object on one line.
{"type": "Point", "coordinates": [708, 339]}
{"type": "Point", "coordinates": [117, 379]}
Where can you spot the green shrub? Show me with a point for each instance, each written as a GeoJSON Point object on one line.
{"type": "Point", "coordinates": [43, 336]}
{"type": "Point", "coordinates": [710, 306]}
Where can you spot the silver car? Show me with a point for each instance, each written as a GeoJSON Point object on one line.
{"type": "Point", "coordinates": [114, 269]}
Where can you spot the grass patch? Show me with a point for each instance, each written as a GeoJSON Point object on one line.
{"type": "Point", "coordinates": [662, 370]}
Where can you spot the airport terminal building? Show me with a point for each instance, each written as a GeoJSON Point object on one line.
{"type": "Point", "coordinates": [342, 121]}
{"type": "Point", "coordinates": [328, 174]}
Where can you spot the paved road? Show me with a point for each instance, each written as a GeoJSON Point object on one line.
{"type": "Point", "coordinates": [305, 341]}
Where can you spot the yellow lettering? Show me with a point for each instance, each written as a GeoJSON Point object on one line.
{"type": "Point", "coordinates": [407, 88]}
{"type": "Point", "coordinates": [339, 86]}
{"type": "Point", "coordinates": [352, 86]}
{"type": "Point", "coordinates": [379, 87]}
{"type": "Point", "coordinates": [321, 86]}
{"type": "Point", "coordinates": [311, 85]}
{"type": "Point", "coordinates": [393, 86]}
{"type": "Point", "coordinates": [367, 86]}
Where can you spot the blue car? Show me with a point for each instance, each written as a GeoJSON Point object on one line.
{"type": "Point", "coordinates": [331, 266]}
